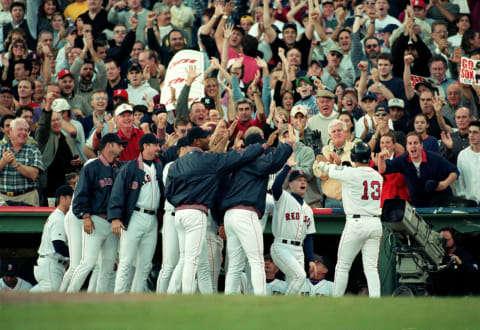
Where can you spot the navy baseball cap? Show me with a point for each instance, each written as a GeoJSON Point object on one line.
{"type": "Point", "coordinates": [182, 142]}
{"type": "Point", "coordinates": [5, 89]}
{"type": "Point", "coordinates": [389, 28]}
{"type": "Point", "coordinates": [10, 269]}
{"type": "Point", "coordinates": [159, 108]}
{"type": "Point", "coordinates": [209, 102]}
{"type": "Point", "coordinates": [289, 25]}
{"type": "Point", "coordinates": [322, 260]}
{"type": "Point", "coordinates": [254, 138]}
{"type": "Point", "coordinates": [65, 190]}
{"type": "Point", "coordinates": [369, 95]}
{"type": "Point", "coordinates": [382, 107]}
{"type": "Point", "coordinates": [297, 174]}
{"type": "Point", "coordinates": [135, 67]}
{"type": "Point", "coordinates": [148, 138]}
{"type": "Point", "coordinates": [111, 138]}
{"type": "Point", "coordinates": [197, 133]}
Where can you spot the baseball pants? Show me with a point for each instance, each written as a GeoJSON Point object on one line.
{"type": "Point", "coordinates": [360, 234]}
{"type": "Point", "coordinates": [103, 244]}
{"type": "Point", "coordinates": [170, 251]}
{"type": "Point", "coordinates": [214, 248]}
{"type": "Point", "coordinates": [137, 243]}
{"type": "Point", "coordinates": [290, 260]}
{"type": "Point", "coordinates": [73, 229]}
{"type": "Point", "coordinates": [48, 273]}
{"type": "Point", "coordinates": [192, 227]}
{"type": "Point", "coordinates": [244, 238]}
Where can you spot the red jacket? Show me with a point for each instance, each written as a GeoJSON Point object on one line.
{"type": "Point", "coordinates": [394, 186]}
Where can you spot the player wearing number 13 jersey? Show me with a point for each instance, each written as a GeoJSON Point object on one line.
{"type": "Point", "coordinates": [361, 193]}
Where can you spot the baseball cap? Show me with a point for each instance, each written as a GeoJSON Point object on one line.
{"type": "Point", "coordinates": [197, 133]}
{"type": "Point", "coordinates": [135, 67]}
{"type": "Point", "coordinates": [297, 174]}
{"type": "Point", "coordinates": [159, 108]}
{"type": "Point", "coordinates": [33, 57]}
{"type": "Point", "coordinates": [62, 74]}
{"type": "Point", "coordinates": [424, 83]}
{"type": "Point", "coordinates": [389, 28]}
{"type": "Point", "coordinates": [65, 190]}
{"type": "Point", "coordinates": [209, 102]}
{"type": "Point", "coordinates": [322, 260]}
{"type": "Point", "coordinates": [304, 78]}
{"type": "Point", "coordinates": [419, 3]}
{"type": "Point", "coordinates": [325, 93]}
{"type": "Point", "coordinates": [396, 103]}
{"type": "Point", "coordinates": [5, 89]}
{"type": "Point", "coordinates": [327, 1]}
{"type": "Point", "coordinates": [289, 25]}
{"type": "Point", "coordinates": [336, 49]}
{"type": "Point", "coordinates": [299, 108]}
{"type": "Point", "coordinates": [10, 269]}
{"type": "Point", "coordinates": [121, 93]}
{"type": "Point", "coordinates": [382, 107]}
{"type": "Point", "coordinates": [350, 90]}
{"type": "Point", "coordinates": [111, 138]}
{"type": "Point", "coordinates": [123, 108]}
{"type": "Point", "coordinates": [148, 138]}
{"type": "Point", "coordinates": [254, 138]}
{"type": "Point", "coordinates": [59, 105]}
{"type": "Point", "coordinates": [369, 95]}
{"type": "Point", "coordinates": [182, 142]}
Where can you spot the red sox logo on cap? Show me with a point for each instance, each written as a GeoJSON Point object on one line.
{"type": "Point", "coordinates": [419, 3]}
{"type": "Point", "coordinates": [121, 93]}
{"type": "Point", "coordinates": [63, 74]}
{"type": "Point", "coordinates": [10, 267]}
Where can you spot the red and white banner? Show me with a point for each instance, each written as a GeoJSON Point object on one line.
{"type": "Point", "coordinates": [416, 79]}
{"type": "Point", "coordinates": [176, 76]}
{"type": "Point", "coordinates": [470, 71]}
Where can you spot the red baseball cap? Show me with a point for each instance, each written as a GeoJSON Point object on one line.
{"type": "Point", "coordinates": [121, 93]}
{"type": "Point", "coordinates": [64, 73]}
{"type": "Point", "coordinates": [419, 3]}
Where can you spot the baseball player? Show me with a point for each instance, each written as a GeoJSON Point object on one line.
{"type": "Point", "coordinates": [317, 285]}
{"type": "Point", "coordinates": [53, 251]}
{"type": "Point", "coordinates": [293, 225]}
{"type": "Point", "coordinates": [275, 287]}
{"type": "Point", "coordinates": [244, 203]}
{"type": "Point", "coordinates": [361, 195]}
{"type": "Point", "coordinates": [11, 282]}
{"type": "Point", "coordinates": [192, 185]}
{"type": "Point", "coordinates": [92, 194]}
{"type": "Point", "coordinates": [136, 196]}
{"type": "Point", "coordinates": [170, 246]}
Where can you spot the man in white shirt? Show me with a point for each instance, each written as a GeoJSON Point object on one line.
{"type": "Point", "coordinates": [137, 87]}
{"type": "Point", "coordinates": [11, 282]}
{"type": "Point", "coordinates": [468, 184]}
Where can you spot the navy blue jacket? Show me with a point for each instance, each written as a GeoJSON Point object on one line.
{"type": "Point", "coordinates": [94, 187]}
{"type": "Point", "coordinates": [433, 167]}
{"type": "Point", "coordinates": [126, 190]}
{"type": "Point", "coordinates": [249, 187]}
{"type": "Point", "coordinates": [195, 177]}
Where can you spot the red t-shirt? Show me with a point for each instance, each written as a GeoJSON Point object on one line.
{"type": "Point", "coordinates": [131, 151]}
{"type": "Point", "coordinates": [250, 66]}
{"type": "Point", "coordinates": [259, 121]}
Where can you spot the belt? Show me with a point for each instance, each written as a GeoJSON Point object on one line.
{"type": "Point", "coordinates": [139, 209]}
{"type": "Point", "coordinates": [16, 193]}
{"type": "Point", "coordinates": [101, 215]}
{"type": "Point", "coordinates": [198, 207]}
{"type": "Point", "coordinates": [248, 208]}
{"type": "Point", "coordinates": [296, 243]}
{"type": "Point", "coordinates": [63, 262]}
{"type": "Point", "coordinates": [358, 216]}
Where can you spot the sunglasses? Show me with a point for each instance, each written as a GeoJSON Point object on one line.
{"type": "Point", "coordinates": [371, 46]}
{"type": "Point", "coordinates": [19, 46]}
{"type": "Point", "coordinates": [381, 114]}
{"type": "Point", "coordinates": [335, 54]}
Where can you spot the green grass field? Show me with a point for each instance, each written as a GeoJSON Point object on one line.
{"type": "Point", "coordinates": [151, 311]}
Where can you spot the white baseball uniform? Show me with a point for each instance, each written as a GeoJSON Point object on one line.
{"type": "Point", "coordinates": [361, 192]}
{"type": "Point", "coordinates": [73, 230]}
{"type": "Point", "coordinates": [320, 288]}
{"type": "Point", "coordinates": [291, 223]}
{"type": "Point", "coordinates": [50, 264]}
{"type": "Point", "coordinates": [138, 242]}
{"type": "Point", "coordinates": [21, 285]}
{"type": "Point", "coordinates": [276, 287]}
{"type": "Point", "coordinates": [214, 249]}
{"type": "Point", "coordinates": [170, 248]}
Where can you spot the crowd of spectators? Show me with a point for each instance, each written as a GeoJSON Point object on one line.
{"type": "Point", "coordinates": [338, 71]}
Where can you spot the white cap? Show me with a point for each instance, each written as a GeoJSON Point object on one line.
{"type": "Point", "coordinates": [299, 109]}
{"type": "Point", "coordinates": [60, 105]}
{"type": "Point", "coordinates": [397, 103]}
{"type": "Point", "coordinates": [122, 108]}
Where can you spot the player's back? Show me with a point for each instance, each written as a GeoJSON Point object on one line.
{"type": "Point", "coordinates": [361, 189]}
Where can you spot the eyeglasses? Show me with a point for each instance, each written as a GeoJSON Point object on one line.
{"type": "Point", "coordinates": [371, 46]}
{"type": "Point", "coordinates": [19, 46]}
{"type": "Point", "coordinates": [335, 54]}
{"type": "Point", "coordinates": [381, 114]}
{"type": "Point", "coordinates": [120, 32]}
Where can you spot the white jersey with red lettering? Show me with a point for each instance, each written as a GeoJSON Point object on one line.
{"type": "Point", "coordinates": [276, 287]}
{"type": "Point", "coordinates": [361, 189]}
{"type": "Point", "coordinates": [291, 220]}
